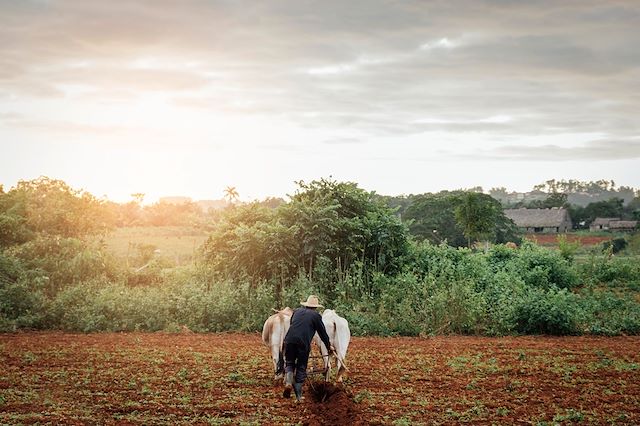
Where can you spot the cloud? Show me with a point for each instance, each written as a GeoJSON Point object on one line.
{"type": "Point", "coordinates": [383, 70]}
{"type": "Point", "coordinates": [342, 141]}
{"type": "Point", "coordinates": [597, 150]}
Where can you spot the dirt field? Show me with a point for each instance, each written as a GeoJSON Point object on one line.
{"type": "Point", "coordinates": [58, 378]}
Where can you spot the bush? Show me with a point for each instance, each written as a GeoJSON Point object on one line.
{"type": "Point", "coordinates": [62, 262]}
{"type": "Point", "coordinates": [544, 268]}
{"type": "Point", "coordinates": [609, 314]}
{"type": "Point", "coordinates": [616, 271]}
{"type": "Point", "coordinates": [20, 307]}
{"type": "Point", "coordinates": [455, 308]}
{"type": "Point", "coordinates": [547, 311]}
{"type": "Point", "coordinates": [615, 245]}
{"type": "Point", "coordinates": [501, 297]}
{"type": "Point", "coordinates": [219, 306]}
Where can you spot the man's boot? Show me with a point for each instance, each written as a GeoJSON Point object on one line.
{"type": "Point", "coordinates": [288, 382]}
{"type": "Point", "coordinates": [297, 388]}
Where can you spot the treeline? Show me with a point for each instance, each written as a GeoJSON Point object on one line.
{"type": "Point", "coordinates": [386, 275]}
{"type": "Point", "coordinates": [29, 198]}
{"type": "Point", "coordinates": [583, 216]}
{"type": "Point", "coordinates": [577, 192]}
{"type": "Point", "coordinates": [184, 213]}
{"type": "Point", "coordinates": [585, 200]}
{"type": "Point", "coordinates": [573, 186]}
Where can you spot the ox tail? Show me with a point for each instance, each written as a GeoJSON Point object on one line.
{"type": "Point", "coordinates": [266, 332]}
{"type": "Point", "coordinates": [340, 346]}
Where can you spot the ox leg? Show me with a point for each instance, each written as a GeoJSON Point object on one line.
{"type": "Point", "coordinates": [327, 367]}
{"type": "Point", "coordinates": [340, 372]}
{"type": "Point", "coordinates": [276, 356]}
{"type": "Point", "coordinates": [280, 364]}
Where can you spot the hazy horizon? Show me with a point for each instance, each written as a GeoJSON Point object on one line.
{"type": "Point", "coordinates": [187, 98]}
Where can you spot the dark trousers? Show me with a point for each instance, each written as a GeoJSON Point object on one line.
{"type": "Point", "coordinates": [296, 356]}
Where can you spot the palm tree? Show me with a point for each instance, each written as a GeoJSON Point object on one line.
{"type": "Point", "coordinates": [231, 194]}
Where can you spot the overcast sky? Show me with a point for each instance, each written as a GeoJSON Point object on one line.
{"type": "Point", "coordinates": [187, 97]}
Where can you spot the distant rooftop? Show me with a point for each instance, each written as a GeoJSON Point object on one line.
{"type": "Point", "coordinates": [538, 218]}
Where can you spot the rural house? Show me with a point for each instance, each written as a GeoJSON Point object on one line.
{"type": "Point", "coordinates": [602, 223]}
{"type": "Point", "coordinates": [540, 220]}
{"type": "Point", "coordinates": [623, 225]}
{"type": "Point", "coordinates": [613, 224]}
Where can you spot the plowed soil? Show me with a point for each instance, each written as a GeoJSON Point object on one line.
{"type": "Point", "coordinates": [135, 379]}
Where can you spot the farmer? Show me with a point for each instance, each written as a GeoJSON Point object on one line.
{"type": "Point", "coordinates": [305, 322]}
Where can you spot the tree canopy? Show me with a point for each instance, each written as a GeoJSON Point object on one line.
{"type": "Point", "coordinates": [326, 229]}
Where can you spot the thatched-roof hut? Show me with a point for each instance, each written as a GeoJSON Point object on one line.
{"type": "Point", "coordinates": [541, 220]}
{"type": "Point", "coordinates": [612, 224]}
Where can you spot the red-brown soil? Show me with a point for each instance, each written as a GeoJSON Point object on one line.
{"type": "Point", "coordinates": [155, 378]}
{"type": "Point", "coordinates": [552, 239]}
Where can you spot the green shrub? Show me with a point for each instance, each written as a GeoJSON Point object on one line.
{"type": "Point", "coordinates": [615, 245]}
{"type": "Point", "coordinates": [613, 270]}
{"type": "Point", "coordinates": [544, 268]}
{"type": "Point", "coordinates": [63, 261]}
{"type": "Point", "coordinates": [455, 308]}
{"type": "Point", "coordinates": [610, 314]}
{"type": "Point", "coordinates": [547, 311]}
{"type": "Point", "coordinates": [501, 297]}
{"type": "Point", "coordinates": [499, 256]}
{"type": "Point", "coordinates": [401, 306]}
{"type": "Point", "coordinates": [21, 306]}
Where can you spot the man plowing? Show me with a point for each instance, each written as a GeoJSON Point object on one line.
{"type": "Point", "coordinates": [305, 323]}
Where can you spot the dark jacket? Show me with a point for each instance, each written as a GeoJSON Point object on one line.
{"type": "Point", "coordinates": [305, 322]}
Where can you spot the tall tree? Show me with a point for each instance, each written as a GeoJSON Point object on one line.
{"type": "Point", "coordinates": [476, 214]}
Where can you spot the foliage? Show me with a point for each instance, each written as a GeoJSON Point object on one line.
{"type": "Point", "coordinates": [543, 268]}
{"type": "Point", "coordinates": [56, 262]}
{"type": "Point", "coordinates": [610, 314]}
{"type": "Point", "coordinates": [431, 217]}
{"type": "Point", "coordinates": [613, 207]}
{"type": "Point", "coordinates": [567, 248]}
{"type": "Point", "coordinates": [198, 305]}
{"type": "Point", "coordinates": [458, 217]}
{"type": "Point", "coordinates": [332, 239]}
{"type": "Point", "coordinates": [49, 206]}
{"type": "Point", "coordinates": [615, 245]}
{"type": "Point", "coordinates": [614, 271]}
{"type": "Point", "coordinates": [327, 227]}
{"type": "Point", "coordinates": [549, 311]}
{"type": "Point", "coordinates": [476, 214]}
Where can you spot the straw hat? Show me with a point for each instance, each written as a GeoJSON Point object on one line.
{"type": "Point", "coordinates": [312, 302]}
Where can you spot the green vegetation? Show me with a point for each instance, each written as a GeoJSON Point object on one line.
{"type": "Point", "coordinates": [385, 275]}
{"type": "Point", "coordinates": [455, 218]}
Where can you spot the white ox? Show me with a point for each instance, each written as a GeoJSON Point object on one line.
{"type": "Point", "coordinates": [273, 332]}
{"type": "Point", "coordinates": [339, 336]}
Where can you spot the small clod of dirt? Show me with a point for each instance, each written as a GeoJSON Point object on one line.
{"type": "Point", "coordinates": [331, 404]}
